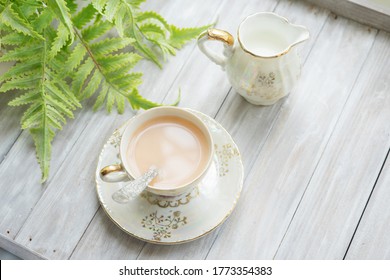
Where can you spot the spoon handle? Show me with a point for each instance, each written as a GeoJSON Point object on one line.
{"type": "Point", "coordinates": [135, 187]}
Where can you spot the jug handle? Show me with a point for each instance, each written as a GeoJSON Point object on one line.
{"type": "Point", "coordinates": [220, 35]}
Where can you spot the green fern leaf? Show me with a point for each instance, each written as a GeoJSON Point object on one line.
{"type": "Point", "coordinates": [60, 41]}
{"type": "Point", "coordinates": [43, 20]}
{"type": "Point", "coordinates": [82, 74]}
{"type": "Point", "coordinates": [72, 5]}
{"type": "Point", "coordinates": [111, 9]}
{"type": "Point", "coordinates": [24, 99]}
{"type": "Point", "coordinates": [33, 118]}
{"type": "Point", "coordinates": [57, 94]}
{"type": "Point", "coordinates": [92, 86]}
{"type": "Point", "coordinates": [14, 39]}
{"type": "Point", "coordinates": [75, 58]}
{"type": "Point", "coordinates": [43, 136]}
{"type": "Point", "coordinates": [120, 103]}
{"type": "Point", "coordinates": [153, 16]}
{"type": "Point", "coordinates": [180, 36]}
{"type": "Point", "coordinates": [21, 54]}
{"type": "Point", "coordinates": [110, 45]}
{"type": "Point", "coordinates": [21, 68]}
{"type": "Point", "coordinates": [110, 99]}
{"type": "Point", "coordinates": [152, 28]}
{"type": "Point", "coordinates": [101, 97]}
{"type": "Point", "coordinates": [20, 82]}
{"type": "Point", "coordinates": [55, 114]}
{"type": "Point", "coordinates": [11, 18]}
{"type": "Point", "coordinates": [114, 62]}
{"type": "Point", "coordinates": [137, 101]}
{"type": "Point", "coordinates": [62, 11]}
{"type": "Point", "coordinates": [95, 31]}
{"type": "Point", "coordinates": [84, 16]}
{"type": "Point", "coordinates": [59, 105]}
{"type": "Point", "coordinates": [53, 122]}
{"type": "Point", "coordinates": [127, 82]}
{"type": "Point", "coordinates": [99, 5]}
{"type": "Point", "coordinates": [120, 22]}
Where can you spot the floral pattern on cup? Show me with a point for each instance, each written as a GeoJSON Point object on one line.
{"type": "Point", "coordinates": [170, 202]}
{"type": "Point", "coordinates": [115, 138]}
{"type": "Point", "coordinates": [224, 154]}
{"type": "Point", "coordinates": [161, 225]}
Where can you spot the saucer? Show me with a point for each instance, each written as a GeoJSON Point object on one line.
{"type": "Point", "coordinates": [179, 219]}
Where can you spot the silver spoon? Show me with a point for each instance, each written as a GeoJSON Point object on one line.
{"type": "Point", "coordinates": [135, 187]}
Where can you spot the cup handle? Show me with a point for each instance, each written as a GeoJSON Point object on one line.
{"type": "Point", "coordinates": [111, 169]}
{"type": "Point", "coordinates": [220, 35]}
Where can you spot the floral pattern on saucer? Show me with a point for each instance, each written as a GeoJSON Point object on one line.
{"type": "Point", "coordinates": [174, 220]}
{"type": "Point", "coordinates": [161, 225]}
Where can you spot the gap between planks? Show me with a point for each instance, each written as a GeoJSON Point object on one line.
{"type": "Point", "coordinates": [368, 201]}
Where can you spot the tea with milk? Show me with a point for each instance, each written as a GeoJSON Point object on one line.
{"type": "Point", "coordinates": [177, 147]}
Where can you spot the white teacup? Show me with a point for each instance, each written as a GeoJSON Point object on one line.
{"type": "Point", "coordinates": [174, 140]}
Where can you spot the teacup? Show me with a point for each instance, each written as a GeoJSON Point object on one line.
{"type": "Point", "coordinates": [172, 139]}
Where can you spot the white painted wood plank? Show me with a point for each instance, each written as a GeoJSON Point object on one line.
{"type": "Point", "coordinates": [9, 124]}
{"type": "Point", "coordinates": [339, 189]}
{"type": "Point", "coordinates": [61, 216]}
{"type": "Point", "coordinates": [5, 255]}
{"type": "Point", "coordinates": [248, 124]}
{"type": "Point", "coordinates": [371, 240]}
{"type": "Point", "coordinates": [18, 250]}
{"type": "Point", "coordinates": [104, 240]}
{"type": "Point", "coordinates": [10, 118]}
{"type": "Point", "coordinates": [284, 166]}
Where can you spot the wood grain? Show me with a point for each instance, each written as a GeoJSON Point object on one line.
{"type": "Point", "coordinates": [341, 184]}
{"type": "Point", "coordinates": [371, 240]}
{"type": "Point", "coordinates": [295, 144]}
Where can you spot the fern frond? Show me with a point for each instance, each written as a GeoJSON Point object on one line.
{"type": "Point", "coordinates": [99, 5]}
{"type": "Point", "coordinates": [137, 101]}
{"type": "Point", "coordinates": [61, 10]}
{"type": "Point", "coordinates": [117, 61]}
{"type": "Point", "coordinates": [20, 82]}
{"type": "Point", "coordinates": [111, 8]}
{"type": "Point", "coordinates": [21, 54]}
{"type": "Point", "coordinates": [110, 45]}
{"type": "Point", "coordinates": [75, 58]}
{"type": "Point", "coordinates": [84, 16]}
{"type": "Point", "coordinates": [152, 28]}
{"type": "Point", "coordinates": [20, 69]}
{"type": "Point", "coordinates": [43, 135]}
{"type": "Point", "coordinates": [72, 5]}
{"type": "Point", "coordinates": [153, 16]}
{"type": "Point", "coordinates": [10, 18]}
{"type": "Point", "coordinates": [24, 99]}
{"type": "Point", "coordinates": [43, 20]}
{"type": "Point", "coordinates": [60, 41]}
{"type": "Point", "coordinates": [180, 36]}
{"type": "Point", "coordinates": [47, 95]}
{"type": "Point", "coordinates": [15, 39]}
{"type": "Point", "coordinates": [95, 31]}
{"type": "Point", "coordinates": [92, 86]}
{"type": "Point", "coordinates": [81, 76]}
